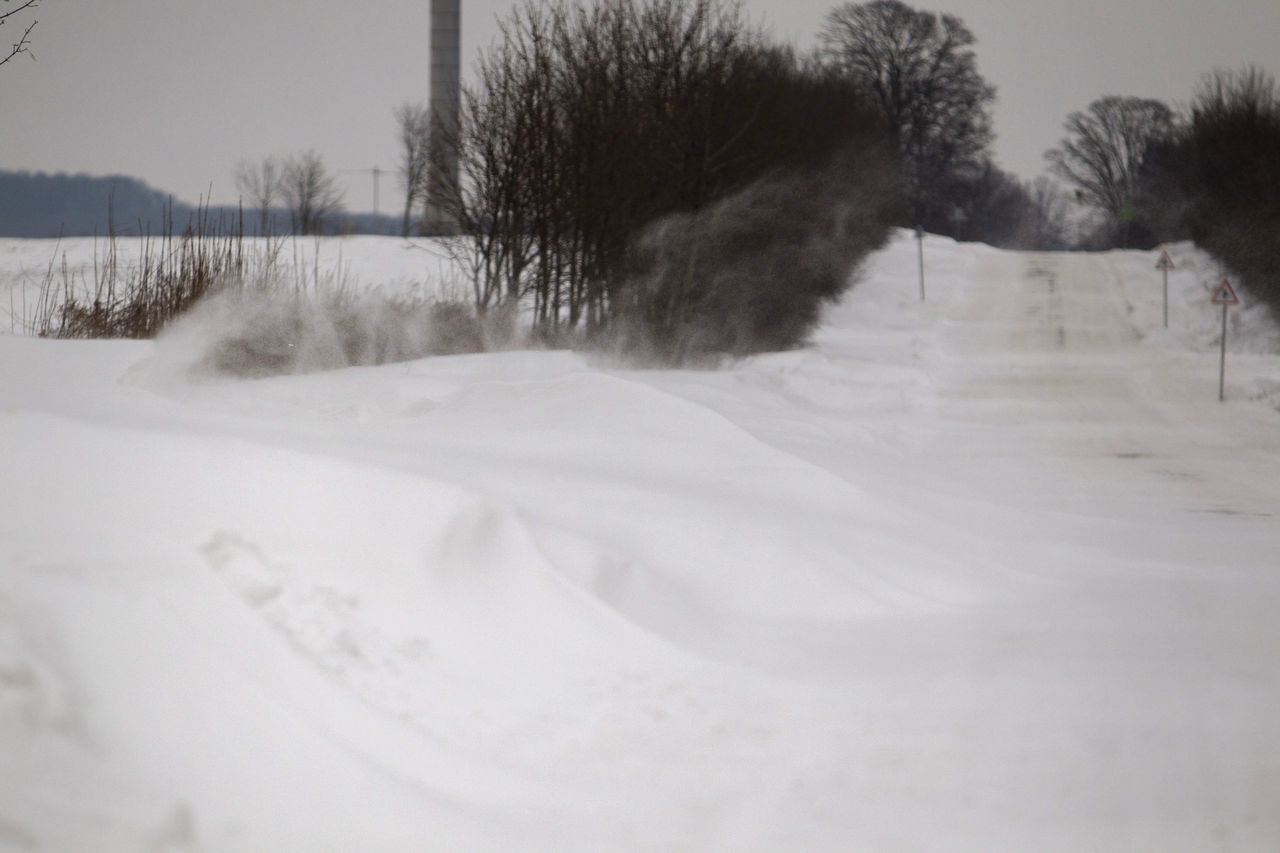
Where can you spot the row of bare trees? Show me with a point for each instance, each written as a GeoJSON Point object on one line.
{"type": "Point", "coordinates": [300, 182]}
{"type": "Point", "coordinates": [591, 127]}
{"type": "Point", "coordinates": [303, 185]}
{"type": "Point", "coordinates": [1208, 173]}
{"type": "Point", "coordinates": [1154, 174]}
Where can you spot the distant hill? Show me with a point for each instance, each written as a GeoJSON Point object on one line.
{"type": "Point", "coordinates": [38, 204]}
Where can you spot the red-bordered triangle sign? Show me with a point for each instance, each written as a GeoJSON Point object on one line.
{"type": "Point", "coordinates": [1225, 294]}
{"type": "Point", "coordinates": [1165, 263]}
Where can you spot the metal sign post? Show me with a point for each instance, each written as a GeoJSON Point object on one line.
{"type": "Point", "coordinates": [1222, 361]}
{"type": "Point", "coordinates": [1164, 265]}
{"type": "Point", "coordinates": [920, 251]}
{"type": "Point", "coordinates": [1224, 295]}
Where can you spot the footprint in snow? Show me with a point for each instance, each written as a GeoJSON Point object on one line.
{"type": "Point", "coordinates": [324, 625]}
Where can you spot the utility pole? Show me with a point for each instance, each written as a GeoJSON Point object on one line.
{"type": "Point", "coordinates": [377, 174]}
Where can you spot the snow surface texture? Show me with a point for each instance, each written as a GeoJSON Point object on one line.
{"type": "Point", "coordinates": [995, 572]}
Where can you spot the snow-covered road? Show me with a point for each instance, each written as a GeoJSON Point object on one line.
{"type": "Point", "coordinates": [992, 572]}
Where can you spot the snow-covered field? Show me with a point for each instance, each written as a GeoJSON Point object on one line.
{"type": "Point", "coordinates": [995, 572]}
{"type": "Point", "coordinates": [351, 264]}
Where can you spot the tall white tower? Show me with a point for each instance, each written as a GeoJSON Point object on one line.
{"type": "Point", "coordinates": [446, 73]}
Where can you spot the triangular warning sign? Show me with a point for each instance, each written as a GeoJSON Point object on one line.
{"type": "Point", "coordinates": [1225, 294]}
{"type": "Point", "coordinates": [1165, 263]}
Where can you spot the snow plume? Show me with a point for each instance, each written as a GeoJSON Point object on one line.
{"type": "Point", "coordinates": [254, 333]}
{"type": "Point", "coordinates": [750, 272]}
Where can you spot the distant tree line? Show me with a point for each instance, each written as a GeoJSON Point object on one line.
{"type": "Point", "coordinates": [36, 204]}
{"type": "Point", "coordinates": [1210, 173]}
{"type": "Point", "coordinates": [42, 205]}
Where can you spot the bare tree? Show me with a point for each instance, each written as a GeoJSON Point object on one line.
{"type": "Point", "coordinates": [413, 128]}
{"type": "Point", "coordinates": [310, 191]}
{"type": "Point", "coordinates": [1105, 149]}
{"type": "Point", "coordinates": [23, 44]}
{"type": "Point", "coordinates": [1250, 92]}
{"type": "Point", "coordinates": [921, 70]}
{"type": "Point", "coordinates": [262, 184]}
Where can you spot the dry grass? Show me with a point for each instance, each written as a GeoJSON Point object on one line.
{"type": "Point", "coordinates": [135, 300]}
{"type": "Point", "coordinates": [260, 333]}
{"type": "Point", "coordinates": [252, 308]}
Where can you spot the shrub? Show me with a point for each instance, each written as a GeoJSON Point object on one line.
{"type": "Point", "coordinates": [136, 300]}
{"type": "Point", "coordinates": [261, 333]}
{"type": "Point", "coordinates": [244, 312]}
{"type": "Point", "coordinates": [1218, 181]}
{"type": "Point", "coordinates": [751, 272]}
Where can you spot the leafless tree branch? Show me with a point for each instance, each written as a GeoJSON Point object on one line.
{"type": "Point", "coordinates": [1105, 149]}
{"type": "Point", "coordinates": [23, 44]}
{"type": "Point", "coordinates": [261, 184]}
{"type": "Point", "coordinates": [311, 192]}
{"type": "Point", "coordinates": [29, 4]}
{"type": "Point", "coordinates": [413, 129]}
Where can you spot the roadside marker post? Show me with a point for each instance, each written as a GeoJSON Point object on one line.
{"type": "Point", "coordinates": [920, 250]}
{"type": "Point", "coordinates": [1164, 265]}
{"type": "Point", "coordinates": [1224, 295]}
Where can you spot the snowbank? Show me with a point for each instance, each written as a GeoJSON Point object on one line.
{"type": "Point", "coordinates": [992, 571]}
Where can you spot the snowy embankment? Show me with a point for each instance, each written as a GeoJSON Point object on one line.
{"type": "Point", "coordinates": [994, 572]}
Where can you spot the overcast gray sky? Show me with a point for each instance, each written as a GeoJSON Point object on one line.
{"type": "Point", "coordinates": [175, 91]}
